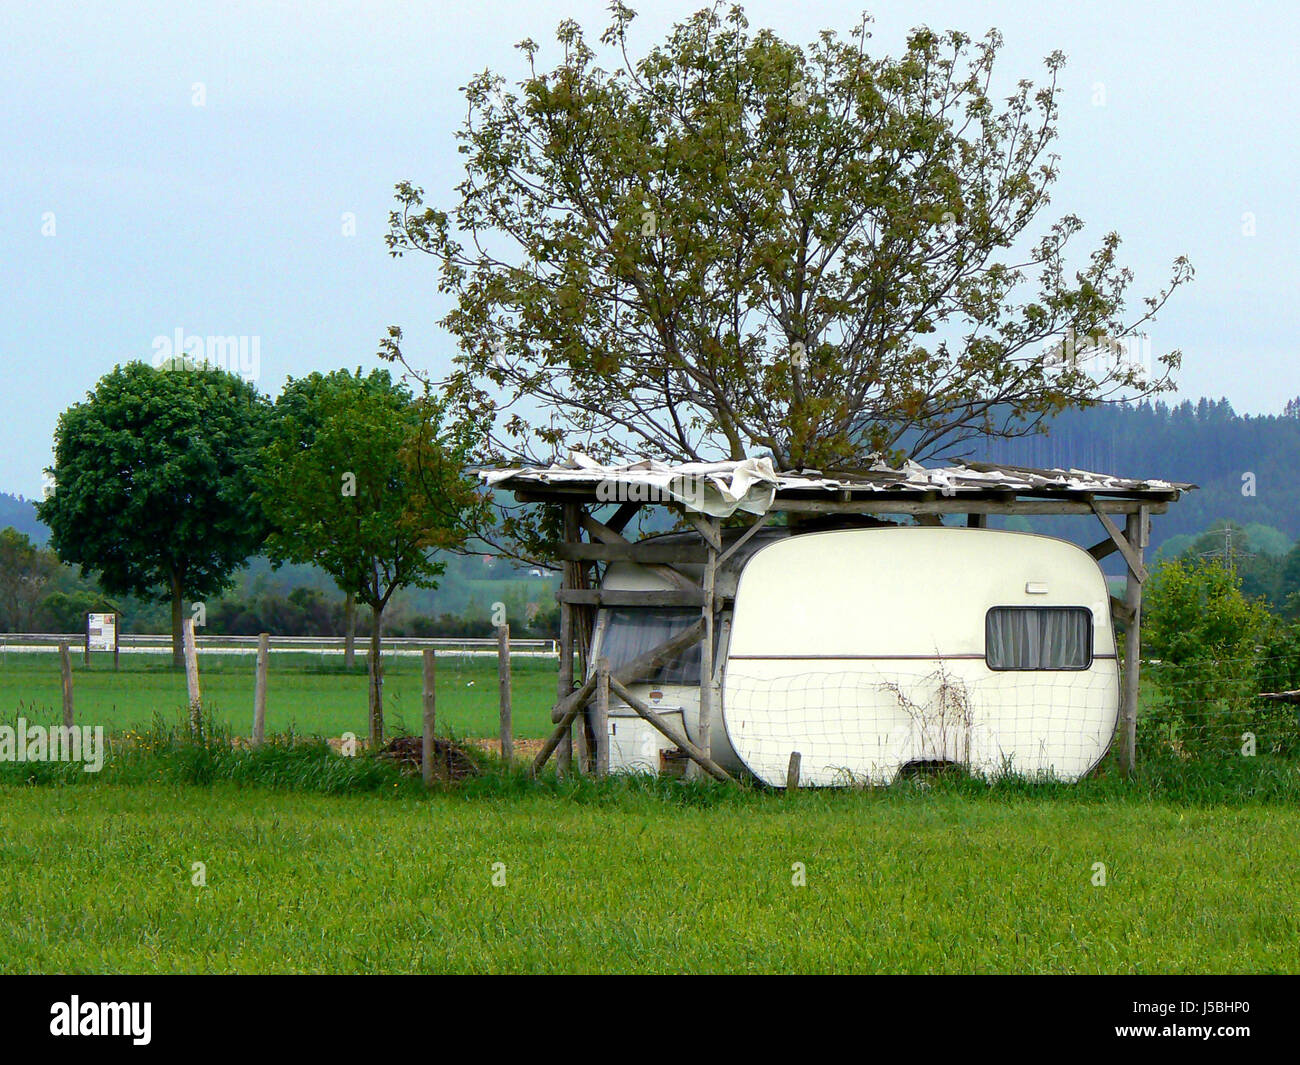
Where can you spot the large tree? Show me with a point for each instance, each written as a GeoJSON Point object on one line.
{"type": "Point", "coordinates": [153, 482]}
{"type": "Point", "coordinates": [736, 245]}
{"type": "Point", "coordinates": [368, 482]}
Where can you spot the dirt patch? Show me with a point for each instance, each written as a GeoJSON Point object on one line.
{"type": "Point", "coordinates": [525, 750]}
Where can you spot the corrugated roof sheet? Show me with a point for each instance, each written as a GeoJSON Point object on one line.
{"type": "Point", "coordinates": [753, 485]}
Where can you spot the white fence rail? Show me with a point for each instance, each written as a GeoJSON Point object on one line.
{"type": "Point", "coordinates": [34, 642]}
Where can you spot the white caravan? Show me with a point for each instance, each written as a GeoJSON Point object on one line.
{"type": "Point", "coordinates": [869, 650]}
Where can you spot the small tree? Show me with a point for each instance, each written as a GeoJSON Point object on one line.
{"type": "Point", "coordinates": [367, 482]}
{"type": "Point", "coordinates": [1204, 633]}
{"type": "Point", "coordinates": [25, 570]}
{"type": "Point", "coordinates": [153, 482]}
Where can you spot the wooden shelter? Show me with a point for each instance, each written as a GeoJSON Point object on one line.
{"type": "Point", "coordinates": [705, 494]}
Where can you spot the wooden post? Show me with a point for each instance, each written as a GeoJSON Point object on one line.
{"type": "Point", "coordinates": [87, 658]}
{"type": "Point", "coordinates": [117, 639]}
{"type": "Point", "coordinates": [259, 688]}
{"type": "Point", "coordinates": [564, 683]}
{"type": "Point", "coordinates": [706, 644]}
{"type": "Point", "coordinates": [582, 635]}
{"type": "Point", "coordinates": [503, 679]}
{"type": "Point", "coordinates": [1135, 532]}
{"type": "Point", "coordinates": [192, 675]}
{"type": "Point", "coordinates": [792, 772]}
{"type": "Point", "coordinates": [430, 657]}
{"type": "Point", "coordinates": [65, 665]}
{"type": "Point", "coordinates": [601, 722]}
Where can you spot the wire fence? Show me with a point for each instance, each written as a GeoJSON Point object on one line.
{"type": "Point", "coordinates": [870, 723]}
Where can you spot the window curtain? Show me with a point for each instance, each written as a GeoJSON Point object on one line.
{"type": "Point", "coordinates": [1039, 638]}
{"type": "Point", "coordinates": [631, 632]}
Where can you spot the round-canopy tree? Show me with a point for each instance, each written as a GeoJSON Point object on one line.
{"type": "Point", "coordinates": [153, 482]}
{"type": "Point", "coordinates": [735, 245]}
{"type": "Point", "coordinates": [366, 481]}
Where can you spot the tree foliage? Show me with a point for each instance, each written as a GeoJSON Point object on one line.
{"type": "Point", "coordinates": [366, 481]}
{"type": "Point", "coordinates": [25, 570]}
{"type": "Point", "coordinates": [153, 482]}
{"type": "Point", "coordinates": [735, 244]}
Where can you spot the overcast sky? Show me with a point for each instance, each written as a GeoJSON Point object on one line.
{"type": "Point", "coordinates": [188, 167]}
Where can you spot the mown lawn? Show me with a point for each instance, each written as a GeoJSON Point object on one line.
{"type": "Point", "coordinates": [627, 877]}
{"type": "Point", "coordinates": [308, 693]}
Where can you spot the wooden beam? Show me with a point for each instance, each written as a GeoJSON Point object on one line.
{"type": "Point", "coordinates": [1119, 609]}
{"type": "Point", "coordinates": [711, 530]}
{"type": "Point", "coordinates": [564, 682]}
{"type": "Point", "coordinates": [889, 503]}
{"type": "Point", "coordinates": [622, 516]}
{"type": "Point", "coordinates": [758, 523]}
{"type": "Point", "coordinates": [1101, 550]}
{"type": "Point", "coordinates": [571, 707]}
{"type": "Point", "coordinates": [1135, 534]}
{"type": "Point", "coordinates": [602, 718]}
{"type": "Point", "coordinates": [958, 506]}
{"type": "Point", "coordinates": [639, 667]}
{"type": "Point", "coordinates": [607, 535]}
{"type": "Point", "coordinates": [1128, 547]}
{"type": "Point", "coordinates": [626, 597]}
{"type": "Point", "coordinates": [692, 751]}
{"type": "Point", "coordinates": [643, 552]}
{"type": "Point", "coordinates": [706, 527]}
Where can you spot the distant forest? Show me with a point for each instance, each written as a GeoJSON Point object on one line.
{"type": "Point", "coordinates": [1247, 470]}
{"type": "Point", "coordinates": [1226, 455]}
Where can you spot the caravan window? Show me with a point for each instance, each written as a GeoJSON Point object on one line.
{"type": "Point", "coordinates": [632, 631]}
{"type": "Point", "coordinates": [1037, 637]}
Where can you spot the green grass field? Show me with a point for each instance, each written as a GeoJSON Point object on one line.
{"type": "Point", "coordinates": [99, 878]}
{"type": "Point", "coordinates": [309, 693]}
{"type": "Point", "coordinates": [319, 863]}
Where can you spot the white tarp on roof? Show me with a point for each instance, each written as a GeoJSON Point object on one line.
{"type": "Point", "coordinates": [722, 488]}
{"type": "Point", "coordinates": [717, 489]}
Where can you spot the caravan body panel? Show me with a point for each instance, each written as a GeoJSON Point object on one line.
{"type": "Point", "coordinates": [868, 650]}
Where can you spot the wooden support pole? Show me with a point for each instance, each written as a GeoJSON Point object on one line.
{"type": "Point", "coordinates": [65, 666]}
{"type": "Point", "coordinates": [117, 639]}
{"type": "Point", "coordinates": [430, 706]}
{"type": "Point", "coordinates": [564, 682]}
{"type": "Point", "coordinates": [792, 771]}
{"type": "Point", "coordinates": [693, 752]}
{"type": "Point", "coordinates": [600, 725]}
{"type": "Point", "coordinates": [571, 708]}
{"type": "Point", "coordinates": [87, 656]}
{"type": "Point", "coordinates": [192, 675]}
{"type": "Point", "coordinates": [713, 539]}
{"type": "Point", "coordinates": [259, 688]}
{"type": "Point", "coordinates": [644, 664]}
{"type": "Point", "coordinates": [1135, 537]}
{"type": "Point", "coordinates": [503, 683]}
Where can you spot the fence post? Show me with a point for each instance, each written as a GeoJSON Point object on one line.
{"type": "Point", "coordinates": [430, 657]}
{"type": "Point", "coordinates": [792, 772]}
{"type": "Point", "coordinates": [65, 665]}
{"type": "Point", "coordinates": [259, 688]}
{"type": "Point", "coordinates": [192, 675]}
{"type": "Point", "coordinates": [1135, 534]}
{"type": "Point", "coordinates": [601, 725]}
{"type": "Point", "coordinates": [503, 678]}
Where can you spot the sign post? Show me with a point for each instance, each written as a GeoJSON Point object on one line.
{"type": "Point", "coordinates": [102, 635]}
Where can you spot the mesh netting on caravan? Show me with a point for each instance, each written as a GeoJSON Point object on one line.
{"type": "Point", "coordinates": [864, 726]}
